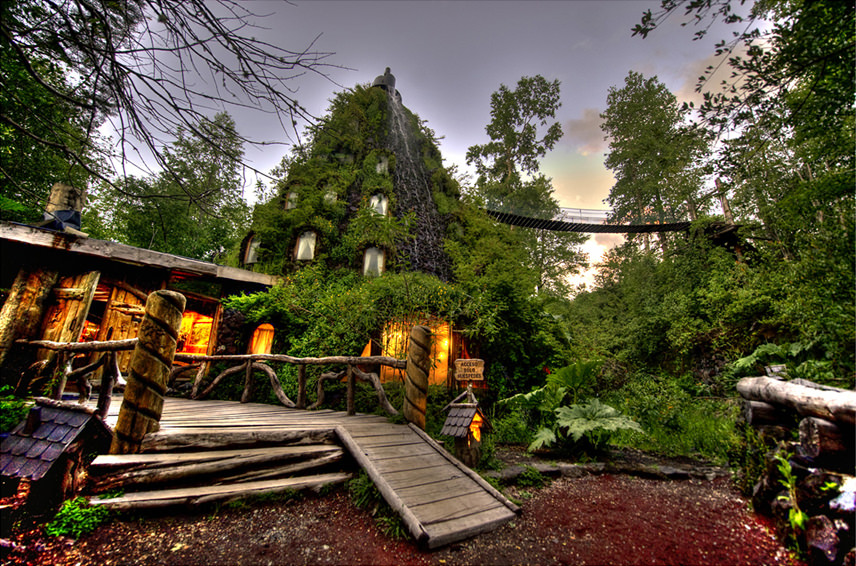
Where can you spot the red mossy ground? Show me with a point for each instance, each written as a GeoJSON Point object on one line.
{"type": "Point", "coordinates": [600, 519]}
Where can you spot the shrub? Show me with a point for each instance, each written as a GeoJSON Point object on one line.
{"type": "Point", "coordinates": [12, 409]}
{"type": "Point", "coordinates": [76, 518]}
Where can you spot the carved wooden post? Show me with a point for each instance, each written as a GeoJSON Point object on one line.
{"type": "Point", "coordinates": [416, 377]}
{"type": "Point", "coordinates": [150, 364]}
{"type": "Point", "coordinates": [301, 386]}
{"type": "Point", "coordinates": [249, 383]}
{"type": "Point", "coordinates": [352, 383]}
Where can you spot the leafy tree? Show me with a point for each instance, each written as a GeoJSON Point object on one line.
{"type": "Point", "coordinates": [196, 210]}
{"type": "Point", "coordinates": [136, 64]}
{"type": "Point", "coordinates": [652, 154]}
{"type": "Point", "coordinates": [509, 177]}
{"type": "Point", "coordinates": [32, 155]}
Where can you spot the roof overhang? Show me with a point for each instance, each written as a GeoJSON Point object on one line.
{"type": "Point", "coordinates": [102, 249]}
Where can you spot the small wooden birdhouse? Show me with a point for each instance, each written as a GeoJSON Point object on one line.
{"type": "Point", "coordinates": [466, 424]}
{"type": "Point", "coordinates": [48, 450]}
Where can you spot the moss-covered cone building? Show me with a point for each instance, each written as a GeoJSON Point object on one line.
{"type": "Point", "coordinates": [368, 192]}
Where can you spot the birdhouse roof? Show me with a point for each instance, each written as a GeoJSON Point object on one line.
{"type": "Point", "coordinates": [30, 452]}
{"type": "Point", "coordinates": [460, 417]}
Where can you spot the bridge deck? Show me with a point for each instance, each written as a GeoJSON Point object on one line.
{"type": "Point", "coordinates": [441, 500]}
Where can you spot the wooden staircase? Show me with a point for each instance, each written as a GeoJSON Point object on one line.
{"type": "Point", "coordinates": [210, 451]}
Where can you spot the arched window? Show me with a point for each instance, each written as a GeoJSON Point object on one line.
{"type": "Point", "coordinates": [262, 339]}
{"type": "Point", "coordinates": [291, 200]}
{"type": "Point", "coordinates": [373, 261]}
{"type": "Point", "coordinates": [251, 254]}
{"type": "Point", "coordinates": [305, 249]}
{"type": "Point", "coordinates": [379, 203]}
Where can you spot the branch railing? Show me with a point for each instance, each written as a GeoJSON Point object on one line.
{"type": "Point", "coordinates": [249, 364]}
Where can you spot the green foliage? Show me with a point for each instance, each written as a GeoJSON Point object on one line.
{"type": "Point", "coordinates": [557, 422]}
{"type": "Point", "coordinates": [679, 418]}
{"type": "Point", "coordinates": [12, 409]}
{"type": "Point", "coordinates": [364, 495]}
{"type": "Point", "coordinates": [594, 421]}
{"type": "Point", "coordinates": [796, 516]}
{"type": "Point", "coordinates": [76, 518]}
{"type": "Point", "coordinates": [195, 208]}
{"type": "Point", "coordinates": [530, 477]}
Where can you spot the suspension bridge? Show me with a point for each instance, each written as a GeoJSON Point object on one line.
{"type": "Point", "coordinates": [582, 220]}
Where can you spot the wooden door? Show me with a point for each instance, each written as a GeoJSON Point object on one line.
{"type": "Point", "coordinates": [65, 317]}
{"type": "Point", "coordinates": [123, 313]}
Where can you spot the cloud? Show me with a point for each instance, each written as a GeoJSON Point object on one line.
{"type": "Point", "coordinates": [695, 69]}
{"type": "Point", "coordinates": [585, 133]}
{"type": "Point", "coordinates": [608, 241]}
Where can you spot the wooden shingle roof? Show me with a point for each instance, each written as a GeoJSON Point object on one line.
{"type": "Point", "coordinates": [460, 417]}
{"type": "Point", "coordinates": [32, 448]}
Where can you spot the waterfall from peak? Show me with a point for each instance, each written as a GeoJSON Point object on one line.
{"type": "Point", "coordinates": [412, 185]}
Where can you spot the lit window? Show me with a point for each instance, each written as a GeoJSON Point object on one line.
{"type": "Point", "coordinates": [252, 254]}
{"type": "Point", "coordinates": [262, 339]}
{"type": "Point", "coordinates": [379, 204]}
{"type": "Point", "coordinates": [306, 247]}
{"type": "Point", "coordinates": [329, 195]}
{"type": "Point", "coordinates": [373, 261]}
{"type": "Point", "coordinates": [291, 200]}
{"type": "Point", "coordinates": [194, 334]}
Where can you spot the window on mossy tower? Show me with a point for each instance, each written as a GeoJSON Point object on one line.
{"type": "Point", "coordinates": [305, 250]}
{"type": "Point", "coordinates": [291, 200]}
{"type": "Point", "coordinates": [252, 253]}
{"type": "Point", "coordinates": [379, 204]}
{"type": "Point", "coordinates": [373, 261]}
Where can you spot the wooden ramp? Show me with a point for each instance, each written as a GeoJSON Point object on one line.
{"type": "Point", "coordinates": [440, 500]}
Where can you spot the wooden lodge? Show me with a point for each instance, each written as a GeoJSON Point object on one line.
{"type": "Point", "coordinates": [66, 287]}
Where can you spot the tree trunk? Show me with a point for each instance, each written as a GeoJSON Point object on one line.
{"type": "Point", "coordinates": [836, 406]}
{"type": "Point", "coordinates": [21, 318]}
{"type": "Point", "coordinates": [825, 441]}
{"type": "Point", "coordinates": [150, 365]}
{"type": "Point", "coordinates": [758, 413]}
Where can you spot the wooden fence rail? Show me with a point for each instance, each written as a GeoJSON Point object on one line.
{"type": "Point", "coordinates": [247, 363]}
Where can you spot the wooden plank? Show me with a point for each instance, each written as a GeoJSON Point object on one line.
{"type": "Point", "coordinates": [207, 494]}
{"type": "Point", "coordinates": [279, 471]}
{"type": "Point", "coordinates": [218, 438]}
{"type": "Point", "coordinates": [436, 489]}
{"type": "Point", "coordinates": [414, 463]}
{"type": "Point", "coordinates": [453, 509]}
{"type": "Point", "coordinates": [399, 450]}
{"type": "Point", "coordinates": [410, 520]}
{"type": "Point", "coordinates": [438, 492]}
{"type": "Point", "coordinates": [187, 469]}
{"type": "Point", "coordinates": [441, 534]}
{"type": "Point", "coordinates": [161, 459]}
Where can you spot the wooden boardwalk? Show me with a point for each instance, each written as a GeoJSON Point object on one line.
{"type": "Point", "coordinates": [440, 500]}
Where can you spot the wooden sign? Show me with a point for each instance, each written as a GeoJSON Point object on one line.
{"type": "Point", "coordinates": [469, 370]}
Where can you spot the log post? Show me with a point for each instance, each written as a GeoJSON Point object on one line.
{"type": "Point", "coordinates": [824, 441]}
{"type": "Point", "coordinates": [60, 375]}
{"type": "Point", "coordinates": [109, 377]}
{"type": "Point", "coordinates": [150, 365]}
{"type": "Point", "coordinates": [301, 386]}
{"type": "Point", "coordinates": [352, 410]}
{"type": "Point", "coordinates": [21, 317]}
{"type": "Point", "coordinates": [416, 377]}
{"type": "Point", "coordinates": [249, 383]}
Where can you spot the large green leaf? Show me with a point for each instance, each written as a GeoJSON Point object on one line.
{"type": "Point", "coordinates": [585, 418]}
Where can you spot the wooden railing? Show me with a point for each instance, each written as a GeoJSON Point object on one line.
{"type": "Point", "coordinates": [246, 363]}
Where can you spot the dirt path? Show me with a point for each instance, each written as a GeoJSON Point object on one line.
{"type": "Point", "coordinates": [597, 519]}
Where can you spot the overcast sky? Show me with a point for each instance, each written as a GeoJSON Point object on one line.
{"type": "Point", "coordinates": [448, 57]}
